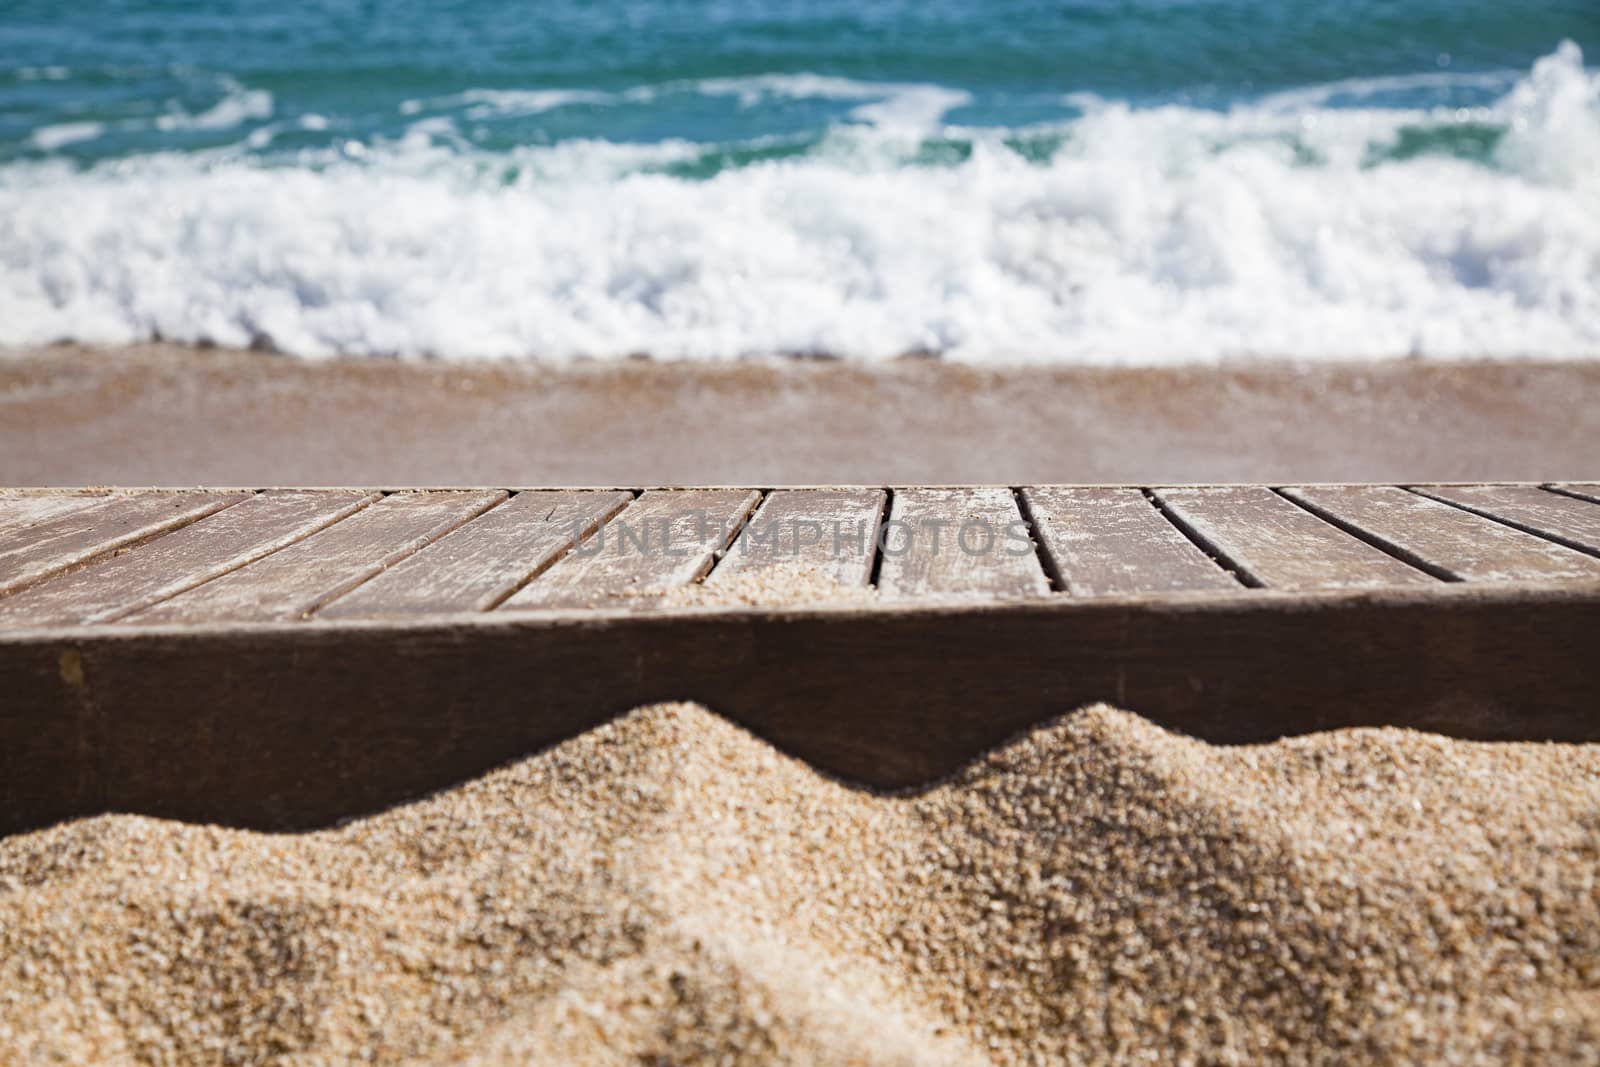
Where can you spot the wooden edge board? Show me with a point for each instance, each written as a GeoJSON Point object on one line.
{"type": "Point", "coordinates": [1197, 600]}
{"type": "Point", "coordinates": [315, 722]}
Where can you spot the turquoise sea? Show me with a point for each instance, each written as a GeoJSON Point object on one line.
{"type": "Point", "coordinates": [1007, 181]}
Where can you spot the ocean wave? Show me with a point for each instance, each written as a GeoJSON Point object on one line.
{"type": "Point", "coordinates": [1352, 89]}
{"type": "Point", "coordinates": [900, 105]}
{"type": "Point", "coordinates": [1142, 235]}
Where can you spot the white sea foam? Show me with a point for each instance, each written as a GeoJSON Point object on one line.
{"type": "Point", "coordinates": [237, 106]}
{"type": "Point", "coordinates": [51, 138]}
{"type": "Point", "coordinates": [1159, 235]}
{"type": "Point", "coordinates": [1299, 98]}
{"type": "Point", "coordinates": [750, 90]}
{"type": "Point", "coordinates": [507, 103]}
{"type": "Point", "coordinates": [917, 108]}
{"type": "Point", "coordinates": [898, 104]}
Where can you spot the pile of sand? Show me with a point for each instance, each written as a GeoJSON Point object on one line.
{"type": "Point", "coordinates": [669, 889]}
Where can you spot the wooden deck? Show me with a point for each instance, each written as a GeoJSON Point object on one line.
{"type": "Point", "coordinates": [289, 657]}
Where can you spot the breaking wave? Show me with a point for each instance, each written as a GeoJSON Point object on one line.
{"type": "Point", "coordinates": [1348, 220]}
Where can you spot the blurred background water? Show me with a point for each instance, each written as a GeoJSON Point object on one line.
{"type": "Point", "coordinates": [1137, 181]}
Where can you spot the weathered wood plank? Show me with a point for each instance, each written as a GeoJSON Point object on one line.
{"type": "Point", "coordinates": [1450, 542]}
{"type": "Point", "coordinates": [71, 536]}
{"type": "Point", "coordinates": [135, 578]}
{"type": "Point", "coordinates": [662, 541]}
{"type": "Point", "coordinates": [1280, 545]}
{"type": "Point", "coordinates": [1587, 490]}
{"type": "Point", "coordinates": [478, 565]}
{"type": "Point", "coordinates": [1539, 511]}
{"type": "Point", "coordinates": [958, 542]}
{"type": "Point", "coordinates": [802, 545]}
{"type": "Point", "coordinates": [295, 581]}
{"type": "Point", "coordinates": [21, 510]}
{"type": "Point", "coordinates": [277, 726]}
{"type": "Point", "coordinates": [1112, 542]}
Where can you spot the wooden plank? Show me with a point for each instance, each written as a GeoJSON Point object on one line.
{"type": "Point", "coordinates": [71, 536]}
{"type": "Point", "coordinates": [298, 726]}
{"type": "Point", "coordinates": [136, 578]}
{"type": "Point", "coordinates": [958, 542]}
{"type": "Point", "coordinates": [475, 567]}
{"type": "Point", "coordinates": [1447, 541]}
{"type": "Point", "coordinates": [662, 541]}
{"type": "Point", "coordinates": [1586, 490]}
{"type": "Point", "coordinates": [1573, 522]}
{"type": "Point", "coordinates": [1113, 542]}
{"type": "Point", "coordinates": [21, 510]}
{"type": "Point", "coordinates": [803, 545]}
{"type": "Point", "coordinates": [1280, 545]}
{"type": "Point", "coordinates": [295, 581]}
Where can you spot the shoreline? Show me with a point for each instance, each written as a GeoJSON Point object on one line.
{"type": "Point", "coordinates": [170, 415]}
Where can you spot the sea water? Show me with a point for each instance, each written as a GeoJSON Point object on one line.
{"type": "Point", "coordinates": [992, 181]}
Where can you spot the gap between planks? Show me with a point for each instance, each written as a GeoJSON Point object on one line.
{"type": "Point", "coordinates": [1570, 520]}
{"type": "Point", "coordinates": [1451, 542]}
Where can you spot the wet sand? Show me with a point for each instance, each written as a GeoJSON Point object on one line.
{"type": "Point", "coordinates": [165, 415]}
{"type": "Point", "coordinates": [669, 889]}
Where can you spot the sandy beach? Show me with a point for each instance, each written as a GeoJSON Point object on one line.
{"type": "Point", "coordinates": [167, 415]}
{"type": "Point", "coordinates": [669, 889]}
{"type": "Point", "coordinates": [351, 354]}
